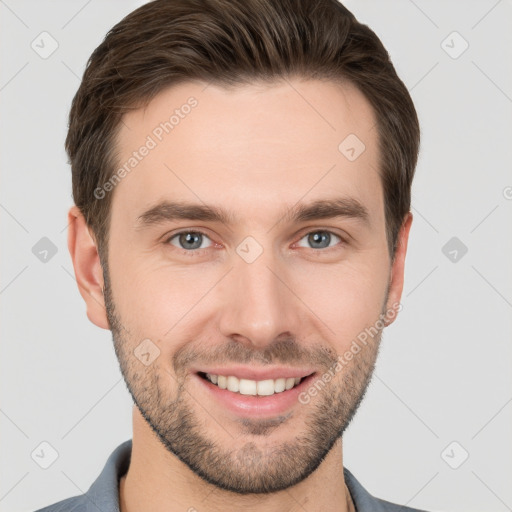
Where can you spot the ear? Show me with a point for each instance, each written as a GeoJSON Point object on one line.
{"type": "Point", "coordinates": [396, 282]}
{"type": "Point", "coordinates": [88, 270]}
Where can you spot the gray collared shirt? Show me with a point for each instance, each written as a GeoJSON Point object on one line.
{"type": "Point", "coordinates": [103, 494]}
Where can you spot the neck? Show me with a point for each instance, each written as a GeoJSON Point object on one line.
{"type": "Point", "coordinates": [158, 481]}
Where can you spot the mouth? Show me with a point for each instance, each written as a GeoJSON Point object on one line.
{"type": "Point", "coordinates": [250, 398]}
{"type": "Point", "coordinates": [248, 387]}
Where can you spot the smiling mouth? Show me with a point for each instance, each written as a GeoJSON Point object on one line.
{"type": "Point", "coordinates": [265, 387]}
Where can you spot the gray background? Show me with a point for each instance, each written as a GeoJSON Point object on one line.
{"type": "Point", "coordinates": [444, 374]}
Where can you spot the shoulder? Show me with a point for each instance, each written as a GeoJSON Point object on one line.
{"type": "Point", "coordinates": [103, 494]}
{"type": "Point", "coordinates": [74, 504]}
{"type": "Point", "coordinates": [365, 502]}
{"type": "Point", "coordinates": [387, 506]}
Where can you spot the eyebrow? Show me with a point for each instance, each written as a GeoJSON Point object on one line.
{"type": "Point", "coordinates": [342, 207]}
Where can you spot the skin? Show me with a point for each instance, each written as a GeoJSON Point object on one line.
{"type": "Point", "coordinates": [256, 150]}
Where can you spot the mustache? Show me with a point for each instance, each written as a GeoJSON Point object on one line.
{"type": "Point", "coordinates": [284, 351]}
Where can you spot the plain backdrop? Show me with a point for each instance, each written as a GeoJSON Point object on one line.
{"type": "Point", "coordinates": [434, 430]}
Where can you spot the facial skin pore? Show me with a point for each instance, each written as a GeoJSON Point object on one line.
{"type": "Point", "coordinates": [256, 151]}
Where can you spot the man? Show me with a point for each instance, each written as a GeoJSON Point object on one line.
{"type": "Point", "coordinates": [242, 175]}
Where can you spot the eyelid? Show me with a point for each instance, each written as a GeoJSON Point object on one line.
{"type": "Point", "coordinates": [313, 229]}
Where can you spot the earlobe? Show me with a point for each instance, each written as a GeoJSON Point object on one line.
{"type": "Point", "coordinates": [88, 271]}
{"type": "Point", "coordinates": [397, 270]}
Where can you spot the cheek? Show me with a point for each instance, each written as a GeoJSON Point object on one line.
{"type": "Point", "coordinates": [347, 300]}
{"type": "Point", "coordinates": [156, 300]}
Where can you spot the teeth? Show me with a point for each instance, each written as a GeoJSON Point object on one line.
{"type": "Point", "coordinates": [252, 387]}
{"type": "Point", "coordinates": [247, 387]}
{"type": "Point", "coordinates": [233, 384]}
{"type": "Point", "coordinates": [222, 382]}
{"type": "Point", "coordinates": [279, 385]}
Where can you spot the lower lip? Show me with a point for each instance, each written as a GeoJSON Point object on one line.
{"type": "Point", "coordinates": [255, 406]}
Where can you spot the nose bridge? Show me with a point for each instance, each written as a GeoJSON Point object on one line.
{"type": "Point", "coordinates": [258, 306]}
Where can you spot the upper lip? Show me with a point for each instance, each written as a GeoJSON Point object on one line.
{"type": "Point", "coordinates": [253, 373]}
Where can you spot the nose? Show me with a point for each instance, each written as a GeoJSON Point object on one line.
{"type": "Point", "coordinates": [257, 302]}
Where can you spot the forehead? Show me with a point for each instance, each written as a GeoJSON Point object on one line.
{"type": "Point", "coordinates": [250, 148]}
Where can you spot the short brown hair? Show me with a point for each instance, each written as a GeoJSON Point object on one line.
{"type": "Point", "coordinates": [234, 42]}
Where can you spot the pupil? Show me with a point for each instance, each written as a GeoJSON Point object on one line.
{"type": "Point", "coordinates": [189, 239]}
{"type": "Point", "coordinates": [317, 237]}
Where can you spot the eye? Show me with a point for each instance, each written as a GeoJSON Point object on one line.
{"type": "Point", "coordinates": [191, 241]}
{"type": "Point", "coordinates": [318, 239]}
{"type": "Point", "coordinates": [188, 240]}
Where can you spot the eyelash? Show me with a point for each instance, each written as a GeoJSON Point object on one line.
{"type": "Point", "coordinates": [167, 240]}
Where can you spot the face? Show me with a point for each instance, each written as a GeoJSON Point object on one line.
{"type": "Point", "coordinates": [267, 291]}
